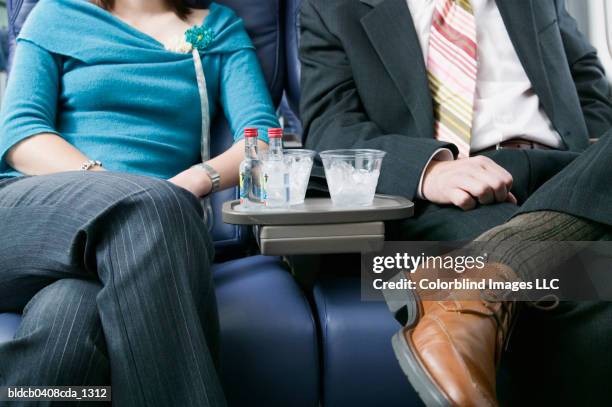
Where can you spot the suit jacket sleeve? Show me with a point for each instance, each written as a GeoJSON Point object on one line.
{"type": "Point", "coordinates": [588, 73]}
{"type": "Point", "coordinates": [334, 117]}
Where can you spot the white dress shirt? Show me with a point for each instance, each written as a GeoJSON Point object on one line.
{"type": "Point", "coordinates": [505, 106]}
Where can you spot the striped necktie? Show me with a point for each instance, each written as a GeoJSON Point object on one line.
{"type": "Point", "coordinates": [452, 65]}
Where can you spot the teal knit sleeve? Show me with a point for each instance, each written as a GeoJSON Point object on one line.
{"type": "Point", "coordinates": [244, 94]}
{"type": "Point", "coordinates": [30, 102]}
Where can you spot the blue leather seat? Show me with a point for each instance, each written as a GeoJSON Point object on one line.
{"type": "Point", "coordinates": [268, 337]}
{"type": "Point", "coordinates": [358, 365]}
{"type": "Point", "coordinates": [8, 326]}
{"type": "Point", "coordinates": [3, 48]}
{"type": "Point", "coordinates": [268, 330]}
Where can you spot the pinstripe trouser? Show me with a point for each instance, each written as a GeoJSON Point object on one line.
{"type": "Point", "coordinates": [112, 273]}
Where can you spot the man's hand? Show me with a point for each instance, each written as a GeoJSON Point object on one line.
{"type": "Point", "coordinates": [193, 180]}
{"type": "Point", "coordinates": [467, 182]}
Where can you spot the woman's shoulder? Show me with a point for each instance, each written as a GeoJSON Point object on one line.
{"type": "Point", "coordinates": [221, 10]}
{"type": "Point", "coordinates": [54, 6]}
{"type": "Point", "coordinates": [51, 16]}
{"type": "Point", "coordinates": [81, 30]}
{"type": "Point", "coordinates": [226, 29]}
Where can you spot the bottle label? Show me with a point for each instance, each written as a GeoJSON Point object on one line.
{"type": "Point", "coordinates": [245, 184]}
{"type": "Point", "coordinates": [255, 188]}
{"type": "Point", "coordinates": [257, 194]}
{"type": "Point", "coordinates": [264, 183]}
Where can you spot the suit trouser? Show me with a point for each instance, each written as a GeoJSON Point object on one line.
{"type": "Point", "coordinates": [558, 357]}
{"type": "Point", "coordinates": [530, 170]}
{"type": "Point", "coordinates": [112, 273]}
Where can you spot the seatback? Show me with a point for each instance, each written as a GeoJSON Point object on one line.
{"type": "Point", "coordinates": [3, 48]}
{"type": "Point", "coordinates": [263, 20]}
{"type": "Point", "coordinates": [292, 41]}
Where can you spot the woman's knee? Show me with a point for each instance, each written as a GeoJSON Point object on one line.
{"type": "Point", "coordinates": [94, 189]}
{"type": "Point", "coordinates": [168, 199]}
{"type": "Point", "coordinates": [175, 212]}
{"type": "Point", "coordinates": [131, 200]}
{"type": "Point", "coordinates": [162, 224]}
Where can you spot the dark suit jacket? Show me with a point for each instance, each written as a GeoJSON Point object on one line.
{"type": "Point", "coordinates": [364, 82]}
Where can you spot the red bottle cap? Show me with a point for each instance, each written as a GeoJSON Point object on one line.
{"type": "Point", "coordinates": [275, 133]}
{"type": "Point", "coordinates": [251, 132]}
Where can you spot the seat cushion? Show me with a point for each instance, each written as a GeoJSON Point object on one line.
{"type": "Point", "coordinates": [269, 353]}
{"type": "Point", "coordinates": [8, 326]}
{"type": "Point", "coordinates": [359, 367]}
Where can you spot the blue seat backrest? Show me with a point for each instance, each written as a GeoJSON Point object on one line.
{"type": "Point", "coordinates": [3, 48]}
{"type": "Point", "coordinates": [292, 41]}
{"type": "Point", "coordinates": [264, 22]}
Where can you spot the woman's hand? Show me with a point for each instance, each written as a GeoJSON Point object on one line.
{"type": "Point", "coordinates": [193, 180]}
{"type": "Point", "coordinates": [227, 164]}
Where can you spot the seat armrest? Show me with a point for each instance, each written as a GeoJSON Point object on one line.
{"type": "Point", "coordinates": [293, 240]}
{"type": "Point", "coordinates": [318, 227]}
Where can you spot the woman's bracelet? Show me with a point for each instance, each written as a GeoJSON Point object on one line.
{"type": "Point", "coordinates": [89, 164]}
{"type": "Point", "coordinates": [214, 176]}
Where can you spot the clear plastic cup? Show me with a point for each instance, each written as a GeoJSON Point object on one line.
{"type": "Point", "coordinates": [352, 175]}
{"type": "Point", "coordinates": [299, 162]}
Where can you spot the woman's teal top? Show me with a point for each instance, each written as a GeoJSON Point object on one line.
{"type": "Point", "coordinates": [119, 96]}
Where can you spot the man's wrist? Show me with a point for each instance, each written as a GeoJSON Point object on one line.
{"type": "Point", "coordinates": [442, 154]}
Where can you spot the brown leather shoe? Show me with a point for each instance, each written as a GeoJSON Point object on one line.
{"type": "Point", "coordinates": [450, 356]}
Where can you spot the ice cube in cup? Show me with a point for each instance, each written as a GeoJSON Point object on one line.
{"type": "Point", "coordinates": [299, 162]}
{"type": "Point", "coordinates": [352, 175]}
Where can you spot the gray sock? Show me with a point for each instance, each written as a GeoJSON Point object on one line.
{"type": "Point", "coordinates": [515, 243]}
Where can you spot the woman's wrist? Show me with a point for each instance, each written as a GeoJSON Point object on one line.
{"type": "Point", "coordinates": [207, 185]}
{"type": "Point", "coordinates": [212, 174]}
{"type": "Point", "coordinates": [202, 183]}
{"type": "Point", "coordinates": [193, 181]}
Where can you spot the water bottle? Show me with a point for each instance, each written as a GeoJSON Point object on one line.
{"type": "Point", "coordinates": [251, 188]}
{"type": "Point", "coordinates": [276, 173]}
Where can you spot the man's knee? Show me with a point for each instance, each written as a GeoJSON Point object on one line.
{"type": "Point", "coordinates": [448, 223]}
